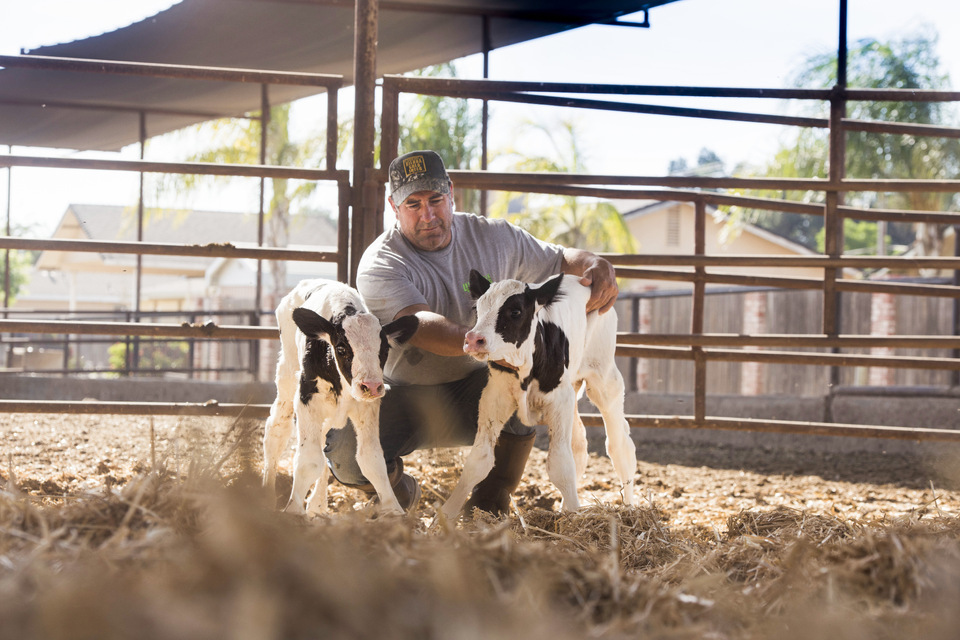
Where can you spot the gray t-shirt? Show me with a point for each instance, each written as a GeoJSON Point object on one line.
{"type": "Point", "coordinates": [393, 275]}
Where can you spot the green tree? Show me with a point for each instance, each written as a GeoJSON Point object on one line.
{"type": "Point", "coordinates": [449, 126]}
{"type": "Point", "coordinates": [567, 220]}
{"type": "Point", "coordinates": [20, 263]}
{"type": "Point", "coordinates": [156, 355]}
{"type": "Point", "coordinates": [911, 62]}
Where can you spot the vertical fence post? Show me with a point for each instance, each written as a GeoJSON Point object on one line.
{"type": "Point", "coordinates": [8, 351]}
{"type": "Point", "coordinates": [343, 231]}
{"type": "Point", "coordinates": [389, 140]}
{"type": "Point", "coordinates": [696, 322]}
{"type": "Point", "coordinates": [254, 345]}
{"type": "Point", "coordinates": [633, 367]}
{"type": "Point", "coordinates": [191, 350]}
{"type": "Point", "coordinates": [955, 375]}
{"type": "Point", "coordinates": [364, 82]}
{"type": "Point", "coordinates": [6, 253]}
{"type": "Point", "coordinates": [485, 111]}
{"type": "Point", "coordinates": [135, 360]}
{"type": "Point", "coordinates": [832, 220]}
{"type": "Point", "coordinates": [333, 129]}
{"type": "Point", "coordinates": [128, 351]}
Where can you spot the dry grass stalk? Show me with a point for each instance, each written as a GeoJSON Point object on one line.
{"type": "Point", "coordinates": [191, 549]}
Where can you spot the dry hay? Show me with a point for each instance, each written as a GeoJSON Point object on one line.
{"type": "Point", "coordinates": [191, 549]}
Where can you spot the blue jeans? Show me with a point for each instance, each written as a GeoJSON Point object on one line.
{"type": "Point", "coordinates": [416, 417]}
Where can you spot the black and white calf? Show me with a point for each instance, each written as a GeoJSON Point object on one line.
{"type": "Point", "coordinates": [330, 369]}
{"type": "Point", "coordinates": [545, 332]}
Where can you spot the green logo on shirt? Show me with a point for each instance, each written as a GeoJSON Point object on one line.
{"type": "Point", "coordinates": [466, 285]}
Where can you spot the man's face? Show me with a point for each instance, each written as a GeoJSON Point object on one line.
{"type": "Point", "coordinates": [426, 219]}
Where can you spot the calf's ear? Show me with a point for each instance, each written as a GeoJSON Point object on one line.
{"type": "Point", "coordinates": [547, 293]}
{"type": "Point", "coordinates": [478, 284]}
{"type": "Point", "coordinates": [312, 324]}
{"type": "Point", "coordinates": [401, 329]}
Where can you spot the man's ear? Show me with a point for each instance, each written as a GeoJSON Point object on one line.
{"type": "Point", "coordinates": [478, 284]}
{"type": "Point", "coordinates": [401, 329]}
{"type": "Point", "coordinates": [547, 293]}
{"type": "Point", "coordinates": [312, 324]}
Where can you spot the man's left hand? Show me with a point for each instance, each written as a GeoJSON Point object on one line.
{"type": "Point", "coordinates": [601, 278]}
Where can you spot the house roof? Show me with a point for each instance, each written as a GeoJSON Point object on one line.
{"type": "Point", "coordinates": [82, 110]}
{"type": "Point", "coordinates": [639, 208]}
{"type": "Point", "coordinates": [111, 222]}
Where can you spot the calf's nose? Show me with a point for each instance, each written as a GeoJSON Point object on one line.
{"type": "Point", "coordinates": [473, 342]}
{"type": "Point", "coordinates": [372, 388]}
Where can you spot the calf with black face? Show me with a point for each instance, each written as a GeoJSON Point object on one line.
{"type": "Point", "coordinates": [334, 350]}
{"type": "Point", "coordinates": [552, 346]}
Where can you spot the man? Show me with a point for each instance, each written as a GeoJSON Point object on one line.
{"type": "Point", "coordinates": [421, 266]}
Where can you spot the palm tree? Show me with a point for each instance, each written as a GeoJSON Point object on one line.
{"type": "Point", "coordinates": [904, 64]}
{"type": "Point", "coordinates": [449, 126]}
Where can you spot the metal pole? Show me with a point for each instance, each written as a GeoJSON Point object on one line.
{"type": "Point", "coordinates": [634, 364]}
{"type": "Point", "coordinates": [6, 258]}
{"type": "Point", "coordinates": [333, 132]}
{"type": "Point", "coordinates": [365, 79]}
{"type": "Point", "coordinates": [842, 46]}
{"type": "Point", "coordinates": [485, 116]}
{"type": "Point", "coordinates": [955, 376]}
{"type": "Point", "coordinates": [833, 221]}
{"type": "Point", "coordinates": [255, 317]}
{"type": "Point", "coordinates": [138, 289]}
{"type": "Point", "coordinates": [6, 254]}
{"type": "Point", "coordinates": [697, 314]}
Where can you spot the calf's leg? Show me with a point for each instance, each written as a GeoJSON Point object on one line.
{"type": "Point", "coordinates": [366, 422]}
{"type": "Point", "coordinates": [276, 435]}
{"type": "Point", "coordinates": [606, 391]}
{"type": "Point", "coordinates": [561, 415]}
{"type": "Point", "coordinates": [579, 444]}
{"type": "Point", "coordinates": [309, 463]}
{"type": "Point", "coordinates": [277, 430]}
{"type": "Point", "coordinates": [497, 404]}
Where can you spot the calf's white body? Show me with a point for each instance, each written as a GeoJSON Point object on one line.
{"type": "Point", "coordinates": [330, 369]}
{"type": "Point", "coordinates": [556, 346]}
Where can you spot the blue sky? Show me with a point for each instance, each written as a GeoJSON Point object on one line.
{"type": "Point", "coordinates": [750, 43]}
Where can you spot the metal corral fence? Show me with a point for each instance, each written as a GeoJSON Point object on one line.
{"type": "Point", "coordinates": [703, 350]}
{"type": "Point", "coordinates": [127, 355]}
{"type": "Point", "coordinates": [786, 312]}
{"type": "Point", "coordinates": [134, 328]}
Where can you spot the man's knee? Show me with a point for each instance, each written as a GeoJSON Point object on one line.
{"type": "Point", "coordinates": [517, 428]}
{"type": "Point", "coordinates": [341, 453]}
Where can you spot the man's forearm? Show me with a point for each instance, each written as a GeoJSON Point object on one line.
{"type": "Point", "coordinates": [436, 333]}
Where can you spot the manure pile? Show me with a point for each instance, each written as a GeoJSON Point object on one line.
{"type": "Point", "coordinates": [168, 545]}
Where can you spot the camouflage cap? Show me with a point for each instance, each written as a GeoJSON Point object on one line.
{"type": "Point", "coordinates": [417, 171]}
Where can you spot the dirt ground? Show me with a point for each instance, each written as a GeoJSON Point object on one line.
{"type": "Point", "coordinates": [53, 455]}
{"type": "Point", "coordinates": [157, 529]}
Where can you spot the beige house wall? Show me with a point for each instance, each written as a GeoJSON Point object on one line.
{"type": "Point", "coordinates": [669, 229]}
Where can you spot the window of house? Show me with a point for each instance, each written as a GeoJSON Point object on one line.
{"type": "Point", "coordinates": [673, 228]}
